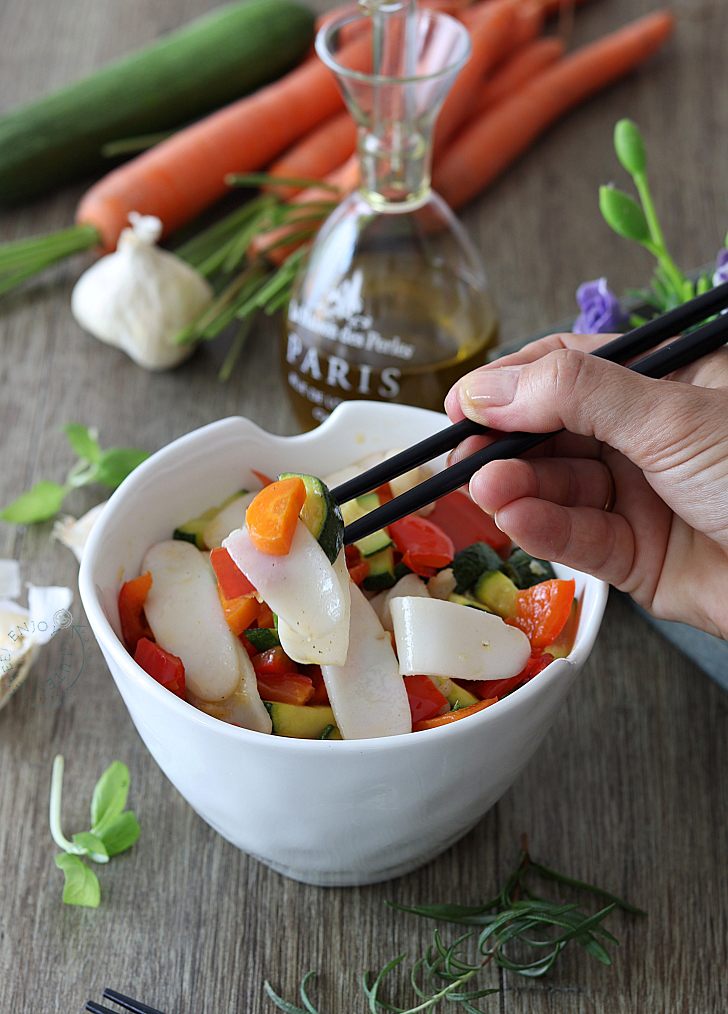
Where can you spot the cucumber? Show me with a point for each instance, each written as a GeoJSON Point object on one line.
{"type": "Point", "coordinates": [359, 508]}
{"type": "Point", "coordinates": [263, 638]}
{"type": "Point", "coordinates": [201, 66]}
{"type": "Point", "coordinates": [381, 571]}
{"type": "Point", "coordinates": [459, 697]}
{"type": "Point", "coordinates": [526, 571]}
{"type": "Point", "coordinates": [305, 721]}
{"type": "Point", "coordinates": [321, 514]}
{"type": "Point", "coordinates": [471, 562]}
{"type": "Point", "coordinates": [192, 531]}
{"type": "Point", "coordinates": [497, 592]}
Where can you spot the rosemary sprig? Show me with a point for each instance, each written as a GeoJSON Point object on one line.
{"type": "Point", "coordinates": [517, 930]}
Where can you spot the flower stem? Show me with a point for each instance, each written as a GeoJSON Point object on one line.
{"type": "Point", "coordinates": [55, 812]}
{"type": "Point", "coordinates": [677, 279]}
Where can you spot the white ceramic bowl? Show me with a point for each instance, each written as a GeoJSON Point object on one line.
{"type": "Point", "coordinates": [328, 813]}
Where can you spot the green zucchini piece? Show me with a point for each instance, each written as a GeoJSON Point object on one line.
{"type": "Point", "coordinates": [263, 638]}
{"type": "Point", "coordinates": [466, 600]}
{"type": "Point", "coordinates": [459, 697]}
{"type": "Point", "coordinates": [321, 514]}
{"type": "Point", "coordinates": [473, 561]}
{"type": "Point", "coordinates": [191, 531]}
{"type": "Point", "coordinates": [359, 508]}
{"type": "Point", "coordinates": [381, 571]}
{"type": "Point", "coordinates": [526, 571]}
{"type": "Point", "coordinates": [207, 63]}
{"type": "Point", "coordinates": [497, 592]}
{"type": "Point", "coordinates": [302, 721]}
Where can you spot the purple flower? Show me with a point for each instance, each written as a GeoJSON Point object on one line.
{"type": "Point", "coordinates": [721, 267]}
{"type": "Point", "coordinates": [600, 309]}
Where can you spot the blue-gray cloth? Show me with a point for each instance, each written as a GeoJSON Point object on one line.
{"type": "Point", "coordinates": [709, 653]}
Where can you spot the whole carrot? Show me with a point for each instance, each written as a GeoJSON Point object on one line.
{"type": "Point", "coordinates": [491, 27]}
{"type": "Point", "coordinates": [523, 65]}
{"type": "Point", "coordinates": [326, 148]}
{"type": "Point", "coordinates": [489, 144]}
{"type": "Point", "coordinates": [183, 175]}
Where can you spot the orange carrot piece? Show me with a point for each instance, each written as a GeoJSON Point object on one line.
{"type": "Point", "coordinates": [490, 34]}
{"type": "Point", "coordinates": [240, 613]}
{"type": "Point", "coordinates": [317, 154]}
{"type": "Point", "coordinates": [271, 517]}
{"type": "Point", "coordinates": [452, 716]}
{"type": "Point", "coordinates": [180, 177]}
{"type": "Point", "coordinates": [526, 62]}
{"type": "Point", "coordinates": [491, 142]}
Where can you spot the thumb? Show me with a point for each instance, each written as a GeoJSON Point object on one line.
{"type": "Point", "coordinates": [658, 424]}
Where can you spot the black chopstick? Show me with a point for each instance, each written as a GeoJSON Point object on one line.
{"type": "Point", "coordinates": [135, 1006]}
{"type": "Point", "coordinates": [630, 344]}
{"type": "Point", "coordinates": [676, 354]}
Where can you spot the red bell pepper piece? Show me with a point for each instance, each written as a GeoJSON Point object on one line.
{"type": "Point", "coordinates": [425, 700]}
{"type": "Point", "coordinates": [134, 623]}
{"type": "Point", "coordinates": [273, 662]}
{"type": "Point", "coordinates": [422, 543]}
{"type": "Point", "coordinates": [264, 479]}
{"type": "Point", "coordinates": [466, 523]}
{"type": "Point", "coordinates": [320, 693]}
{"type": "Point", "coordinates": [161, 665]}
{"type": "Point", "coordinates": [500, 688]}
{"type": "Point", "coordinates": [543, 609]}
{"type": "Point", "coordinates": [289, 688]}
{"type": "Point", "coordinates": [233, 583]}
{"type": "Point", "coordinates": [452, 716]}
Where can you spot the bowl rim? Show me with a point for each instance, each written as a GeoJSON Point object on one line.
{"type": "Point", "coordinates": [348, 413]}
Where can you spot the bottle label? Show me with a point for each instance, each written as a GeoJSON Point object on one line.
{"type": "Point", "coordinates": [323, 377]}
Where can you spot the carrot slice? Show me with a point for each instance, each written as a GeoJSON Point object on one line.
{"type": "Point", "coordinates": [271, 517]}
{"type": "Point", "coordinates": [132, 597]}
{"type": "Point", "coordinates": [452, 716]}
{"type": "Point", "coordinates": [240, 612]}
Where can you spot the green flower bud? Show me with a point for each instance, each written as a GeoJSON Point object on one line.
{"type": "Point", "coordinates": [624, 215]}
{"type": "Point", "coordinates": [629, 147]}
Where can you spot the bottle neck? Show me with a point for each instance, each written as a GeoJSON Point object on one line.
{"type": "Point", "coordinates": [395, 167]}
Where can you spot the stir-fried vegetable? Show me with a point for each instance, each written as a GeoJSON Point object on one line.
{"type": "Point", "coordinates": [271, 625]}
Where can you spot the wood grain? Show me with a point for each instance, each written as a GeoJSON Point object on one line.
{"type": "Point", "coordinates": [630, 788]}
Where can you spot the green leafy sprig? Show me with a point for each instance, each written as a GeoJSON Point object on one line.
{"type": "Point", "coordinates": [109, 468]}
{"type": "Point", "coordinates": [517, 930]}
{"type": "Point", "coordinates": [639, 222]}
{"type": "Point", "coordinates": [244, 284]}
{"type": "Point", "coordinates": [113, 829]}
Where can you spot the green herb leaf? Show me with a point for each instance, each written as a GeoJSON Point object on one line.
{"type": "Point", "coordinates": [623, 214]}
{"type": "Point", "coordinates": [109, 798]}
{"type": "Point", "coordinates": [630, 147]}
{"type": "Point", "coordinates": [121, 833]}
{"type": "Point", "coordinates": [92, 846]}
{"type": "Point", "coordinates": [83, 443]}
{"type": "Point", "coordinates": [116, 463]}
{"type": "Point", "coordinates": [38, 504]}
{"type": "Point", "coordinates": [81, 885]}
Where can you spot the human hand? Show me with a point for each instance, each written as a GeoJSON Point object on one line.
{"type": "Point", "coordinates": [665, 442]}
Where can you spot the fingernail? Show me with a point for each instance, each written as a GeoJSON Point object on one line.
{"type": "Point", "coordinates": [491, 388]}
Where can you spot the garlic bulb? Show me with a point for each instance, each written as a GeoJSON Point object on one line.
{"type": "Point", "coordinates": [139, 297]}
{"type": "Point", "coordinates": [74, 532]}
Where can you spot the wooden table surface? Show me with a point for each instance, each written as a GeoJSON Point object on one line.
{"type": "Point", "coordinates": [630, 788]}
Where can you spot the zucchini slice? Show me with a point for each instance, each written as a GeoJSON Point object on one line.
{"type": "Point", "coordinates": [263, 638]}
{"type": "Point", "coordinates": [321, 514]}
{"type": "Point", "coordinates": [526, 571]}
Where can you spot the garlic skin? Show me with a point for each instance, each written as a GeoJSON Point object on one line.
{"type": "Point", "coordinates": [139, 297]}
{"type": "Point", "coordinates": [73, 532]}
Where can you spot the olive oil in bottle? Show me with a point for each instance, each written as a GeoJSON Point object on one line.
{"type": "Point", "coordinates": [392, 303]}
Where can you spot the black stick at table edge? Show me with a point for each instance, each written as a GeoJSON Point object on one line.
{"type": "Point", "coordinates": [683, 351]}
{"type": "Point", "coordinates": [632, 343]}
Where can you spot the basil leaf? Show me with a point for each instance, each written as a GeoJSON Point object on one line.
{"type": "Point", "coordinates": [109, 798]}
{"type": "Point", "coordinates": [92, 846]}
{"type": "Point", "coordinates": [82, 442]}
{"type": "Point", "coordinates": [38, 504]}
{"type": "Point", "coordinates": [121, 833]}
{"type": "Point", "coordinates": [116, 463]}
{"type": "Point", "coordinates": [81, 886]}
